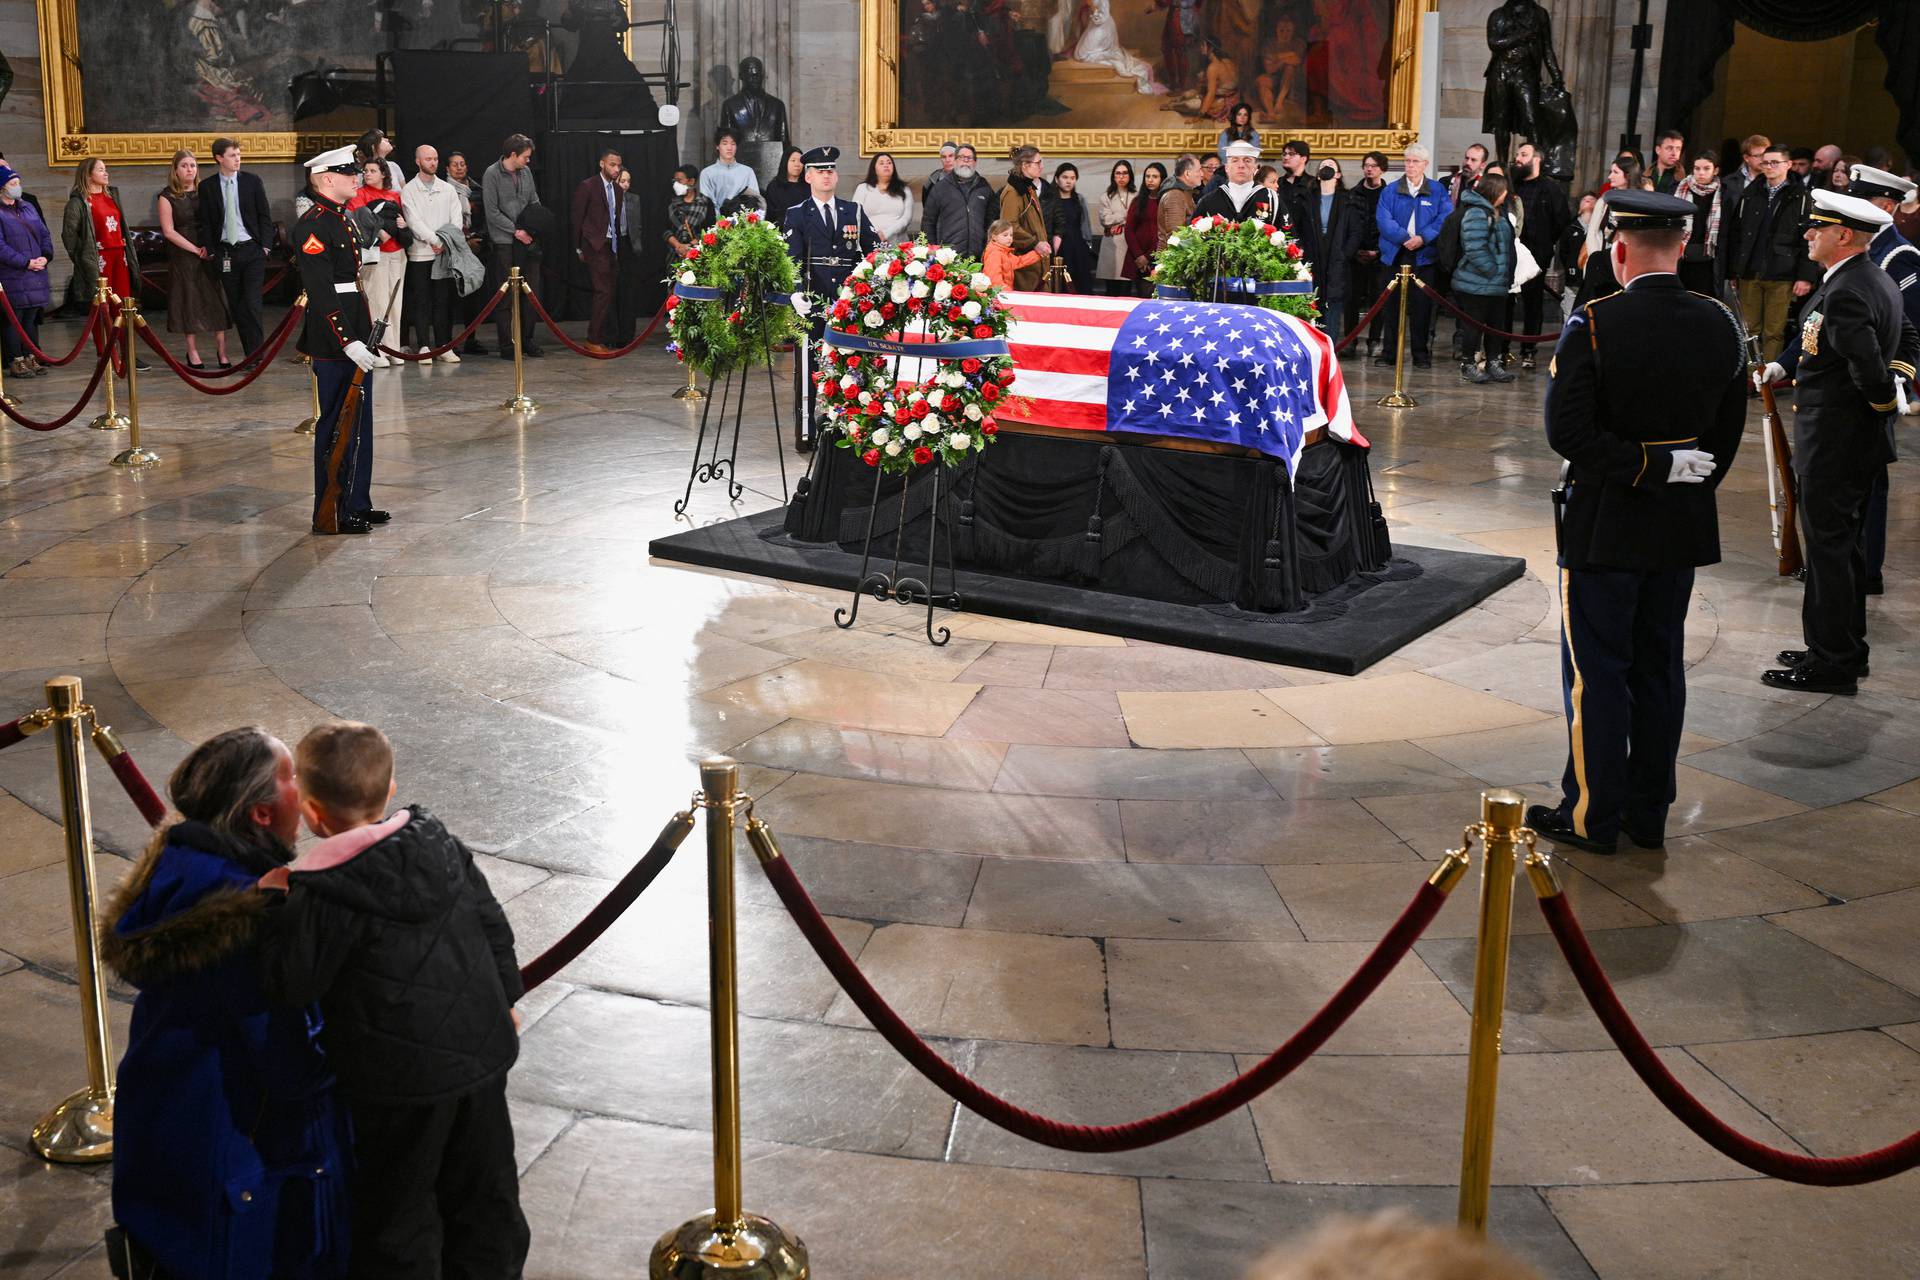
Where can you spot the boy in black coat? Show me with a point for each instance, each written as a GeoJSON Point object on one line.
{"type": "Point", "coordinates": [411, 960]}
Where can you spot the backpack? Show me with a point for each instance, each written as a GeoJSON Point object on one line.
{"type": "Point", "coordinates": [1446, 246]}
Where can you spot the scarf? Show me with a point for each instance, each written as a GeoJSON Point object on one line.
{"type": "Point", "coordinates": [1688, 189]}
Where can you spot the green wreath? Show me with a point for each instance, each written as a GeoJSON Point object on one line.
{"type": "Point", "coordinates": [1254, 249]}
{"type": "Point", "coordinates": [746, 260]}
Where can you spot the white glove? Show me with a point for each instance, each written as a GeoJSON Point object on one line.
{"type": "Point", "coordinates": [1690, 466]}
{"type": "Point", "coordinates": [1905, 403]}
{"type": "Point", "coordinates": [1772, 373]}
{"type": "Point", "coordinates": [357, 352]}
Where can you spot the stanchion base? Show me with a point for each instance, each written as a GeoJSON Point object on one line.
{"type": "Point", "coordinates": [751, 1249]}
{"type": "Point", "coordinates": [1397, 400]}
{"type": "Point", "coordinates": [306, 426]}
{"type": "Point", "coordinates": [521, 404]}
{"type": "Point", "coordinates": [78, 1131]}
{"type": "Point", "coordinates": [136, 458]}
{"type": "Point", "coordinates": [111, 422]}
{"type": "Point", "coordinates": [9, 401]}
{"type": "Point", "coordinates": [689, 392]}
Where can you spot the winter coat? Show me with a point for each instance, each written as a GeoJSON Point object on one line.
{"type": "Point", "coordinates": [410, 958]}
{"type": "Point", "coordinates": [1020, 204]}
{"type": "Point", "coordinates": [1143, 230]}
{"type": "Point", "coordinates": [1486, 249]}
{"type": "Point", "coordinates": [1330, 246]}
{"type": "Point", "coordinates": [230, 1158]}
{"type": "Point", "coordinates": [1428, 208]}
{"type": "Point", "coordinates": [24, 237]}
{"type": "Point", "coordinates": [1765, 242]}
{"type": "Point", "coordinates": [457, 262]}
{"type": "Point", "coordinates": [76, 234]}
{"type": "Point", "coordinates": [958, 214]}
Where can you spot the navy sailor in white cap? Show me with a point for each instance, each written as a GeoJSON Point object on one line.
{"type": "Point", "coordinates": [1894, 254]}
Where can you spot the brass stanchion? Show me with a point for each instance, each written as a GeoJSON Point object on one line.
{"type": "Point", "coordinates": [1398, 397]}
{"type": "Point", "coordinates": [112, 419]}
{"type": "Point", "coordinates": [133, 455]}
{"type": "Point", "coordinates": [310, 424]}
{"type": "Point", "coordinates": [692, 390]}
{"type": "Point", "coordinates": [726, 1242]}
{"type": "Point", "coordinates": [521, 401]}
{"type": "Point", "coordinates": [1499, 831]}
{"type": "Point", "coordinates": [80, 1129]}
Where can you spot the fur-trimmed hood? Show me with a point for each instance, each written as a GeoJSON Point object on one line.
{"type": "Point", "coordinates": [189, 905]}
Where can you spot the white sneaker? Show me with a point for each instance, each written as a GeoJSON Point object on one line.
{"type": "Point", "coordinates": [381, 362]}
{"type": "Point", "coordinates": [449, 357]}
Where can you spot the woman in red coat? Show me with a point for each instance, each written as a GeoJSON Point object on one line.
{"type": "Point", "coordinates": [1143, 229]}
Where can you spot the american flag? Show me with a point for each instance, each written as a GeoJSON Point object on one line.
{"type": "Point", "coordinates": [1206, 371]}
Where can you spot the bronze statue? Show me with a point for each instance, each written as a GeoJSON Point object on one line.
{"type": "Point", "coordinates": [755, 114]}
{"type": "Point", "coordinates": [1523, 75]}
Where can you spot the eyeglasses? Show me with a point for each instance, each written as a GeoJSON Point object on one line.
{"type": "Point", "coordinates": [1773, 164]}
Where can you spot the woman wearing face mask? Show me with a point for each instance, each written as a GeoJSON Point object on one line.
{"type": "Point", "coordinates": [25, 247]}
{"type": "Point", "coordinates": [196, 305]}
{"type": "Point", "coordinates": [689, 213]}
{"type": "Point", "coordinates": [1143, 228]}
{"type": "Point", "coordinates": [1329, 231]}
{"type": "Point", "coordinates": [1113, 228]}
{"type": "Point", "coordinates": [788, 188]}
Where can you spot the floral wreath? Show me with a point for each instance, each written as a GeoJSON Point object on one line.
{"type": "Point", "coordinates": [733, 297]}
{"type": "Point", "coordinates": [1255, 250]}
{"type": "Point", "coordinates": [898, 298]}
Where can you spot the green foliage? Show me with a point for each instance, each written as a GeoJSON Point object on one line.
{"type": "Point", "coordinates": [1256, 250]}
{"type": "Point", "coordinates": [746, 259]}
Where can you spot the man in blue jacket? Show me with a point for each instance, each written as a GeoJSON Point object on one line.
{"type": "Point", "coordinates": [1409, 216]}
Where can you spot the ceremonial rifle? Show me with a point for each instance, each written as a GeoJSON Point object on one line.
{"type": "Point", "coordinates": [339, 458]}
{"type": "Point", "coordinates": [1782, 491]}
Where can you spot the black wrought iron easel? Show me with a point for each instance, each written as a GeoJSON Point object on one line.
{"type": "Point", "coordinates": [715, 467]}
{"type": "Point", "coordinates": [890, 585]}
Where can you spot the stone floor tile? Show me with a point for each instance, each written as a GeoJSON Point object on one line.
{"type": "Point", "coordinates": [807, 690]}
{"type": "Point", "coordinates": [873, 882]}
{"type": "Point", "coordinates": [1009, 664]}
{"type": "Point", "coordinates": [1043, 717]}
{"type": "Point", "coordinates": [1709, 802]}
{"type": "Point", "coordinates": [1131, 901]}
{"type": "Point", "coordinates": [1564, 1118]}
{"type": "Point", "coordinates": [974, 983]}
{"type": "Point", "coordinates": [1433, 823]}
{"type": "Point", "coordinates": [152, 613]}
{"type": "Point", "coordinates": [1248, 997]}
{"type": "Point", "coordinates": [1675, 980]}
{"type": "Point", "coordinates": [196, 707]}
{"type": "Point", "coordinates": [1806, 770]}
{"type": "Point", "coordinates": [535, 1128]}
{"type": "Point", "coordinates": [37, 639]}
{"type": "Point", "coordinates": [1846, 850]}
{"type": "Point", "coordinates": [1905, 797]}
{"type": "Point", "coordinates": [1760, 1228]}
{"type": "Point", "coordinates": [203, 654]}
{"type": "Point", "coordinates": [1006, 826]}
{"type": "Point", "coordinates": [1360, 770]}
{"type": "Point", "coordinates": [868, 754]}
{"type": "Point", "coordinates": [1229, 718]}
{"type": "Point", "coordinates": [1106, 1086]}
{"type": "Point", "coordinates": [1877, 933]}
{"type": "Point", "coordinates": [1835, 1094]}
{"type": "Point", "coordinates": [55, 1215]}
{"type": "Point", "coordinates": [608, 1189]}
{"type": "Point", "coordinates": [1131, 773]}
{"type": "Point", "coordinates": [1157, 668]}
{"type": "Point", "coordinates": [77, 559]}
{"type": "Point", "coordinates": [406, 605]}
{"type": "Point", "coordinates": [1360, 903]}
{"type": "Point", "coordinates": [1271, 832]}
{"type": "Point", "coordinates": [894, 653]}
{"type": "Point", "coordinates": [308, 647]}
{"type": "Point", "coordinates": [647, 709]}
{"type": "Point", "coordinates": [1008, 630]}
{"type": "Point", "coordinates": [1525, 673]}
{"type": "Point", "coordinates": [800, 1082]}
{"type": "Point", "coordinates": [1209, 1230]}
{"type": "Point", "coordinates": [1868, 724]}
{"type": "Point", "coordinates": [498, 662]}
{"type": "Point", "coordinates": [46, 1060]}
{"type": "Point", "coordinates": [1392, 708]}
{"type": "Point", "coordinates": [28, 839]}
{"type": "Point", "coordinates": [26, 597]}
{"type": "Point", "coordinates": [1693, 879]}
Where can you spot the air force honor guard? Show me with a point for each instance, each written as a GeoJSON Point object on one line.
{"type": "Point", "coordinates": [1647, 404]}
{"type": "Point", "coordinates": [335, 335]}
{"type": "Point", "coordinates": [1854, 342]}
{"type": "Point", "coordinates": [827, 237]}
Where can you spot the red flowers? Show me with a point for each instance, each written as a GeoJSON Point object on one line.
{"type": "Point", "coordinates": [936, 273]}
{"type": "Point", "coordinates": [871, 457]}
{"type": "Point", "coordinates": [853, 361]}
{"type": "Point", "coordinates": [959, 293]}
{"type": "Point", "coordinates": [953, 313]}
{"type": "Point", "coordinates": [895, 267]}
{"type": "Point", "coordinates": [842, 309]}
{"type": "Point", "coordinates": [862, 288]}
{"type": "Point", "coordinates": [753, 217]}
{"type": "Point", "coordinates": [1006, 377]}
{"type": "Point", "coordinates": [886, 311]}
{"type": "Point", "coordinates": [1293, 250]}
{"type": "Point", "coordinates": [923, 455]}
{"type": "Point", "coordinates": [983, 331]}
{"type": "Point", "coordinates": [733, 317]}
{"type": "Point", "coordinates": [673, 300]}
{"type": "Point", "coordinates": [692, 254]}
{"type": "Point", "coordinates": [969, 365]}
{"type": "Point", "coordinates": [709, 239]}
{"type": "Point", "coordinates": [990, 393]}
{"type": "Point", "coordinates": [989, 428]}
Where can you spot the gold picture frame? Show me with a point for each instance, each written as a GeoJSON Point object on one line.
{"type": "Point", "coordinates": [880, 107]}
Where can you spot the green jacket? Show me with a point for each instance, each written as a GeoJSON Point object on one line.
{"type": "Point", "coordinates": [76, 233]}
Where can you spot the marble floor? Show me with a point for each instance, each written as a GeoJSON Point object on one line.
{"type": "Point", "coordinates": [1102, 875]}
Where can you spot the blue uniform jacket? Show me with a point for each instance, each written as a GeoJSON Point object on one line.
{"type": "Point", "coordinates": [827, 249]}
{"type": "Point", "coordinates": [1896, 256]}
{"type": "Point", "coordinates": [1428, 208]}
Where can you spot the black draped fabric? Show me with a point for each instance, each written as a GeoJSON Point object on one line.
{"type": "Point", "coordinates": [466, 102]}
{"type": "Point", "coordinates": [1804, 19]}
{"type": "Point", "coordinates": [1131, 519]}
{"type": "Point", "coordinates": [561, 159]}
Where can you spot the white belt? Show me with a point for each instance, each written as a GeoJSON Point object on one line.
{"type": "Point", "coordinates": [352, 286]}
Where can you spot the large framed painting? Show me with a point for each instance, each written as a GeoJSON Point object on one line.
{"type": "Point", "coordinates": [1133, 77]}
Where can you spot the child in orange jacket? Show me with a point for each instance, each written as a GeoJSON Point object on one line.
{"type": "Point", "coordinates": [1001, 260]}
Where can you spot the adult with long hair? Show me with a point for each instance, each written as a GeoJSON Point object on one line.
{"type": "Point", "coordinates": [1239, 129]}
{"type": "Point", "coordinates": [1020, 204]}
{"type": "Point", "coordinates": [384, 265]}
{"type": "Point", "coordinates": [632, 284]}
{"type": "Point", "coordinates": [229, 1155]}
{"type": "Point", "coordinates": [1112, 213]}
{"type": "Point", "coordinates": [195, 304]}
{"type": "Point", "coordinates": [93, 227]}
{"type": "Point", "coordinates": [1596, 270]}
{"type": "Point", "coordinates": [25, 247]}
{"type": "Point", "coordinates": [374, 144]}
{"type": "Point", "coordinates": [1143, 228]}
{"type": "Point", "coordinates": [886, 197]}
{"type": "Point", "coordinates": [1700, 260]}
{"type": "Point", "coordinates": [1067, 227]}
{"type": "Point", "coordinates": [788, 188]}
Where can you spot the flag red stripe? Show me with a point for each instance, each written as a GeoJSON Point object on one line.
{"type": "Point", "coordinates": [1061, 360]}
{"type": "Point", "coordinates": [1084, 316]}
{"type": "Point", "coordinates": [1072, 415]}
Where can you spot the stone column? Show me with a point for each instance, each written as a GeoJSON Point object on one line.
{"type": "Point", "coordinates": [1583, 41]}
{"type": "Point", "coordinates": [725, 31]}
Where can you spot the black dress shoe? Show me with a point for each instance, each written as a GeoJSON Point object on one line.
{"type": "Point", "coordinates": [1798, 658]}
{"type": "Point", "coordinates": [1423, 362]}
{"type": "Point", "coordinates": [1549, 824]}
{"type": "Point", "coordinates": [348, 524]}
{"type": "Point", "coordinates": [1811, 677]}
{"type": "Point", "coordinates": [373, 515]}
{"type": "Point", "coordinates": [196, 366]}
{"type": "Point", "coordinates": [534, 353]}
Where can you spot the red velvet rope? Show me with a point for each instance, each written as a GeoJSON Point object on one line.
{"type": "Point", "coordinates": [266, 353]}
{"type": "Point", "coordinates": [436, 352]}
{"type": "Point", "coordinates": [1788, 1166]}
{"type": "Point", "coordinates": [138, 789]}
{"type": "Point", "coordinates": [86, 397]}
{"type": "Point", "coordinates": [11, 733]}
{"type": "Point", "coordinates": [116, 346]}
{"type": "Point", "coordinates": [259, 355]}
{"type": "Point", "coordinates": [1367, 319]}
{"type": "Point", "coordinates": [576, 348]}
{"type": "Point", "coordinates": [33, 348]}
{"type": "Point", "coordinates": [1122, 1137]}
{"type": "Point", "coordinates": [1464, 318]}
{"type": "Point", "coordinates": [610, 908]}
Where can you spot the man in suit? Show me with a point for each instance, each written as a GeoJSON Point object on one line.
{"type": "Point", "coordinates": [1894, 254]}
{"type": "Point", "coordinates": [1647, 403]}
{"type": "Point", "coordinates": [827, 236]}
{"type": "Point", "coordinates": [1854, 342]}
{"type": "Point", "coordinates": [598, 226]}
{"type": "Point", "coordinates": [235, 218]}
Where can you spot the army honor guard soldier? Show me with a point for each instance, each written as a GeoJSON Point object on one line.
{"type": "Point", "coordinates": [1854, 350]}
{"type": "Point", "coordinates": [1647, 403]}
{"type": "Point", "coordinates": [336, 335]}
{"type": "Point", "coordinates": [827, 236]}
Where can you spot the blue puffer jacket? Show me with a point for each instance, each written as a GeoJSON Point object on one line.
{"type": "Point", "coordinates": [230, 1159]}
{"type": "Point", "coordinates": [23, 237]}
{"type": "Point", "coordinates": [1428, 208]}
{"type": "Point", "coordinates": [1486, 249]}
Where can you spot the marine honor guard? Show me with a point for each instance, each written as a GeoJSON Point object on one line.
{"type": "Point", "coordinates": [336, 333]}
{"type": "Point", "coordinates": [1238, 198]}
{"type": "Point", "coordinates": [1647, 403]}
{"type": "Point", "coordinates": [1854, 342]}
{"type": "Point", "coordinates": [827, 236]}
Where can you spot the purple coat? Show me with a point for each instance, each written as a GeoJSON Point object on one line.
{"type": "Point", "coordinates": [23, 237]}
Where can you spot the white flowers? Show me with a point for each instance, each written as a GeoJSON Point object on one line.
{"type": "Point", "coordinates": [919, 251]}
{"type": "Point", "coordinates": [935, 424]}
{"type": "Point", "coordinates": [1278, 239]}
{"type": "Point", "coordinates": [980, 283]}
{"type": "Point", "coordinates": [1203, 225]}
{"type": "Point", "coordinates": [974, 412]}
{"type": "Point", "coordinates": [1173, 242]}
{"type": "Point", "coordinates": [849, 384]}
{"type": "Point", "coordinates": [686, 277]}
{"type": "Point", "coordinates": [944, 255]}
{"type": "Point", "coordinates": [920, 289]}
{"type": "Point", "coordinates": [970, 309]}
{"type": "Point", "coordinates": [953, 379]}
{"type": "Point", "coordinates": [916, 269]}
{"type": "Point", "coordinates": [881, 435]}
{"type": "Point", "coordinates": [897, 290]}
{"type": "Point", "coordinates": [911, 431]}
{"type": "Point", "coordinates": [862, 271]}
{"type": "Point", "coordinates": [943, 291]}
{"type": "Point", "coordinates": [893, 447]}
{"type": "Point", "coordinates": [802, 304]}
{"type": "Point", "coordinates": [873, 320]}
{"type": "Point", "coordinates": [959, 440]}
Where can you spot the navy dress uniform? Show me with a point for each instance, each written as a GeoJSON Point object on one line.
{"type": "Point", "coordinates": [1237, 203]}
{"type": "Point", "coordinates": [1854, 340]}
{"type": "Point", "coordinates": [337, 335]}
{"type": "Point", "coordinates": [1647, 403]}
{"type": "Point", "coordinates": [1894, 254]}
{"type": "Point", "coordinates": [828, 238]}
